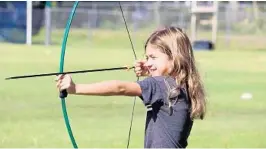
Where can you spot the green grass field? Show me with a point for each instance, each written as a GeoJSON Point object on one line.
{"type": "Point", "coordinates": [30, 110]}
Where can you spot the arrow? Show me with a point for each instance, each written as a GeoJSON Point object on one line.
{"type": "Point", "coordinates": [69, 72]}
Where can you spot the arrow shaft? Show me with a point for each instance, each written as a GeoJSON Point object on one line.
{"type": "Point", "coordinates": [69, 72]}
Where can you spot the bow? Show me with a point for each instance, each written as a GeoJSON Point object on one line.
{"type": "Point", "coordinates": [63, 94]}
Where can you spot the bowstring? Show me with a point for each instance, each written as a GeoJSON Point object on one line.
{"type": "Point", "coordinates": [133, 49]}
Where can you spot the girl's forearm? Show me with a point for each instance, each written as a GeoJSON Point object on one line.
{"type": "Point", "coordinates": [107, 88]}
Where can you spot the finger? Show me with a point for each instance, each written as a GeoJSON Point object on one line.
{"type": "Point", "coordinates": [58, 77]}
{"type": "Point", "coordinates": [61, 76]}
{"type": "Point", "coordinates": [64, 86]}
{"type": "Point", "coordinates": [144, 68]}
{"type": "Point", "coordinates": [65, 76]}
{"type": "Point", "coordinates": [58, 84]}
{"type": "Point", "coordinates": [138, 62]}
{"type": "Point", "coordinates": [138, 69]}
{"type": "Point", "coordinates": [138, 72]}
{"type": "Point", "coordinates": [137, 65]}
{"type": "Point", "coordinates": [66, 80]}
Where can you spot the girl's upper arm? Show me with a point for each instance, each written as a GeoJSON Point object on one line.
{"type": "Point", "coordinates": [130, 89]}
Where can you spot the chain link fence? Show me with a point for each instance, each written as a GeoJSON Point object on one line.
{"type": "Point", "coordinates": [246, 19]}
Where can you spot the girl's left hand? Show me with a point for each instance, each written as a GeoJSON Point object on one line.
{"type": "Point", "coordinates": [65, 82]}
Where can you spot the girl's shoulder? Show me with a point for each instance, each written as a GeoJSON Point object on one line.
{"type": "Point", "coordinates": [164, 84]}
{"type": "Point", "coordinates": [163, 80]}
{"type": "Point", "coordinates": [160, 78]}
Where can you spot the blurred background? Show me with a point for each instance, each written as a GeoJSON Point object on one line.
{"type": "Point", "coordinates": [228, 38]}
{"type": "Point", "coordinates": [222, 22]}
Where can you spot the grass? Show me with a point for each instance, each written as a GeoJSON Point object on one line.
{"type": "Point", "coordinates": [30, 110]}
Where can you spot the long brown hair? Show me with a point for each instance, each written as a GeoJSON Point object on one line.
{"type": "Point", "coordinates": [175, 43]}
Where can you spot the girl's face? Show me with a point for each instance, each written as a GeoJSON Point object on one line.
{"type": "Point", "coordinates": [158, 63]}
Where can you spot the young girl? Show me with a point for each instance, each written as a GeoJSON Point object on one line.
{"type": "Point", "coordinates": [172, 90]}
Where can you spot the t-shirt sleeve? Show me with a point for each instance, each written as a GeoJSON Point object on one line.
{"type": "Point", "coordinates": [151, 91]}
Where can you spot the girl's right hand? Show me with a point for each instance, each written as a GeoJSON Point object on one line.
{"type": "Point", "coordinates": [140, 69]}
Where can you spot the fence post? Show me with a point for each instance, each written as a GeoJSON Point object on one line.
{"type": "Point", "coordinates": [157, 13]}
{"type": "Point", "coordinates": [228, 24]}
{"type": "Point", "coordinates": [48, 27]}
{"type": "Point", "coordinates": [29, 23]}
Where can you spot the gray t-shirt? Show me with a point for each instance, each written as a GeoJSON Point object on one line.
{"type": "Point", "coordinates": [165, 128]}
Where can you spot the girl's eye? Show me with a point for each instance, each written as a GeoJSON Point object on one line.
{"type": "Point", "coordinates": [150, 57]}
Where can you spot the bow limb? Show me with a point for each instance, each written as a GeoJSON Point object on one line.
{"type": "Point", "coordinates": [63, 94]}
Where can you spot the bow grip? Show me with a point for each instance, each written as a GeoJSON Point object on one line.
{"type": "Point", "coordinates": [63, 94]}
